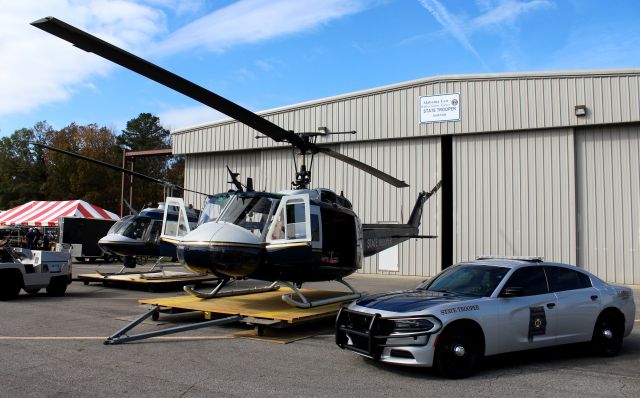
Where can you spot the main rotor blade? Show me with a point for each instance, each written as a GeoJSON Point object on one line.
{"type": "Point", "coordinates": [364, 167]}
{"type": "Point", "coordinates": [114, 167]}
{"type": "Point", "coordinates": [132, 62]}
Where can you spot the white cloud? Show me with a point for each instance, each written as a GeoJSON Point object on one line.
{"type": "Point", "coordinates": [38, 68]}
{"type": "Point", "coordinates": [507, 13]}
{"type": "Point", "coordinates": [180, 7]}
{"type": "Point", "coordinates": [250, 21]}
{"type": "Point", "coordinates": [190, 116]}
{"type": "Point", "coordinates": [496, 14]}
{"type": "Point", "coordinates": [451, 24]}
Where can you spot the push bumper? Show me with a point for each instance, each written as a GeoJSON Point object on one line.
{"type": "Point", "coordinates": [371, 336]}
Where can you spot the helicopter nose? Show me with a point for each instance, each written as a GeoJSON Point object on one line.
{"type": "Point", "coordinates": [223, 249]}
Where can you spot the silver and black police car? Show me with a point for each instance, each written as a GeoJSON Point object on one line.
{"type": "Point", "coordinates": [489, 306]}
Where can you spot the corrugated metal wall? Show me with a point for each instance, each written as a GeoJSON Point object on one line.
{"type": "Point", "coordinates": [489, 103]}
{"type": "Point", "coordinates": [514, 195]}
{"type": "Point", "coordinates": [416, 161]}
{"type": "Point", "coordinates": [608, 201]}
{"type": "Point", "coordinates": [523, 180]}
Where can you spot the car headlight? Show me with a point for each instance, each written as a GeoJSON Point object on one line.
{"type": "Point", "coordinates": [418, 325]}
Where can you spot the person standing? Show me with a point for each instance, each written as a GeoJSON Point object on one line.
{"type": "Point", "coordinates": [30, 235]}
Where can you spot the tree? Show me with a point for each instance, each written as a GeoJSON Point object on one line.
{"type": "Point", "coordinates": [22, 170]}
{"type": "Point", "coordinates": [71, 178]}
{"type": "Point", "coordinates": [143, 133]}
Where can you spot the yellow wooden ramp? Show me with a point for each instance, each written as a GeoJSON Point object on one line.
{"type": "Point", "coordinates": [267, 305]}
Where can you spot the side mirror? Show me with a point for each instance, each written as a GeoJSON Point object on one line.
{"type": "Point", "coordinates": [512, 292]}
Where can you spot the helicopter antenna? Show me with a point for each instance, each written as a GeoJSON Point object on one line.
{"type": "Point", "coordinates": [234, 180]}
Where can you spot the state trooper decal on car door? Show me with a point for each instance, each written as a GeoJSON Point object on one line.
{"type": "Point", "coordinates": [537, 322]}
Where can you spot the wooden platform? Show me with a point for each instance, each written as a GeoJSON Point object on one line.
{"type": "Point", "coordinates": [147, 279]}
{"type": "Point", "coordinates": [257, 306]}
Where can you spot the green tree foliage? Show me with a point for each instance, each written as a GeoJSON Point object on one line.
{"type": "Point", "coordinates": [22, 169]}
{"type": "Point", "coordinates": [144, 133]}
{"type": "Point", "coordinates": [68, 177]}
{"type": "Point", "coordinates": [31, 173]}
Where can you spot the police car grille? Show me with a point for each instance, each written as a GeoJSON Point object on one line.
{"type": "Point", "coordinates": [357, 322]}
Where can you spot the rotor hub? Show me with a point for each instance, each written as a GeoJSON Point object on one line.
{"type": "Point", "coordinates": [607, 334]}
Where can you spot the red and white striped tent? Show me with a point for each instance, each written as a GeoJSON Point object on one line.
{"type": "Point", "coordinates": [46, 214]}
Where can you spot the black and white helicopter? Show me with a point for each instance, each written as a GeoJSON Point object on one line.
{"type": "Point", "coordinates": [290, 237]}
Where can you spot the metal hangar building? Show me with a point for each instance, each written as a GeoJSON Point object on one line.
{"type": "Point", "coordinates": [544, 164]}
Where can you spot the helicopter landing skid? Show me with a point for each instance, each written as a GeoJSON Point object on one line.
{"type": "Point", "coordinates": [305, 303]}
{"type": "Point", "coordinates": [122, 271]}
{"type": "Point", "coordinates": [217, 293]}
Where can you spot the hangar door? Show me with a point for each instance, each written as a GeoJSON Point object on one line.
{"type": "Point", "coordinates": [608, 201]}
{"type": "Point", "coordinates": [514, 195]}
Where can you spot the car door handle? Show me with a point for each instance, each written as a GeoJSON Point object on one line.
{"type": "Point", "coordinates": [594, 297]}
{"type": "Point", "coordinates": [551, 305]}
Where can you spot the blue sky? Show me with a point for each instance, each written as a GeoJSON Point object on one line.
{"type": "Point", "coordinates": [264, 54]}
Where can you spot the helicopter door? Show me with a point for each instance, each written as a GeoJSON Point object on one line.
{"type": "Point", "coordinates": [175, 225]}
{"type": "Point", "coordinates": [291, 223]}
{"type": "Point", "coordinates": [289, 235]}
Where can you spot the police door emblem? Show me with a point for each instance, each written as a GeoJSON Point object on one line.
{"type": "Point", "coordinates": [537, 322]}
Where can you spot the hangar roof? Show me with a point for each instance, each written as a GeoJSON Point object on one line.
{"type": "Point", "coordinates": [488, 103]}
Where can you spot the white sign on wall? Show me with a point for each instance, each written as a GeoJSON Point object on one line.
{"type": "Point", "coordinates": [388, 259]}
{"type": "Point", "coordinates": [440, 108]}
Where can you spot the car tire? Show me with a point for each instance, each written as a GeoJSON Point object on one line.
{"type": "Point", "coordinates": [10, 285]}
{"type": "Point", "coordinates": [607, 335]}
{"type": "Point", "coordinates": [458, 352]}
{"type": "Point", "coordinates": [57, 286]}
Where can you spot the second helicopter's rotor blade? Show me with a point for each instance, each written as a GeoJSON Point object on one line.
{"type": "Point", "coordinates": [132, 62]}
{"type": "Point", "coordinates": [364, 167]}
{"type": "Point", "coordinates": [113, 167]}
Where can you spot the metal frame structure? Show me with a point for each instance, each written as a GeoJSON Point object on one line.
{"type": "Point", "coordinates": [130, 157]}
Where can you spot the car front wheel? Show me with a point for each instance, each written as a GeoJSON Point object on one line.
{"type": "Point", "coordinates": [458, 352]}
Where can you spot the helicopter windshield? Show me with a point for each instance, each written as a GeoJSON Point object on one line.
{"type": "Point", "coordinates": [136, 228]}
{"type": "Point", "coordinates": [212, 208]}
{"type": "Point", "coordinates": [252, 213]}
{"type": "Point", "coordinates": [120, 226]}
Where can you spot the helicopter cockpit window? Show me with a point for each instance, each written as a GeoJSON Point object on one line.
{"type": "Point", "coordinates": [155, 230]}
{"type": "Point", "coordinates": [296, 222]}
{"type": "Point", "coordinates": [251, 213]}
{"type": "Point", "coordinates": [212, 208]}
{"type": "Point", "coordinates": [176, 225]}
{"type": "Point", "coordinates": [120, 226]}
{"type": "Point", "coordinates": [315, 228]}
{"type": "Point", "coordinates": [136, 228]}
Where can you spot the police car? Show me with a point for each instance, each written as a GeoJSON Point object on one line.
{"type": "Point", "coordinates": [489, 306]}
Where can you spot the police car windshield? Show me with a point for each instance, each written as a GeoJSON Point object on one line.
{"type": "Point", "coordinates": [469, 279]}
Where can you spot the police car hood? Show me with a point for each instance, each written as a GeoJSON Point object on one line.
{"type": "Point", "coordinates": [410, 300]}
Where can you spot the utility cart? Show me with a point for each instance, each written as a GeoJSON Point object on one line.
{"type": "Point", "coordinates": [33, 270]}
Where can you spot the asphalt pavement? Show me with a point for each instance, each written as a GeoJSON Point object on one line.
{"type": "Point", "coordinates": [53, 346]}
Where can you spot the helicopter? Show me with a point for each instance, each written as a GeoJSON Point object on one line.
{"type": "Point", "coordinates": [290, 237]}
{"type": "Point", "coordinates": [138, 234]}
